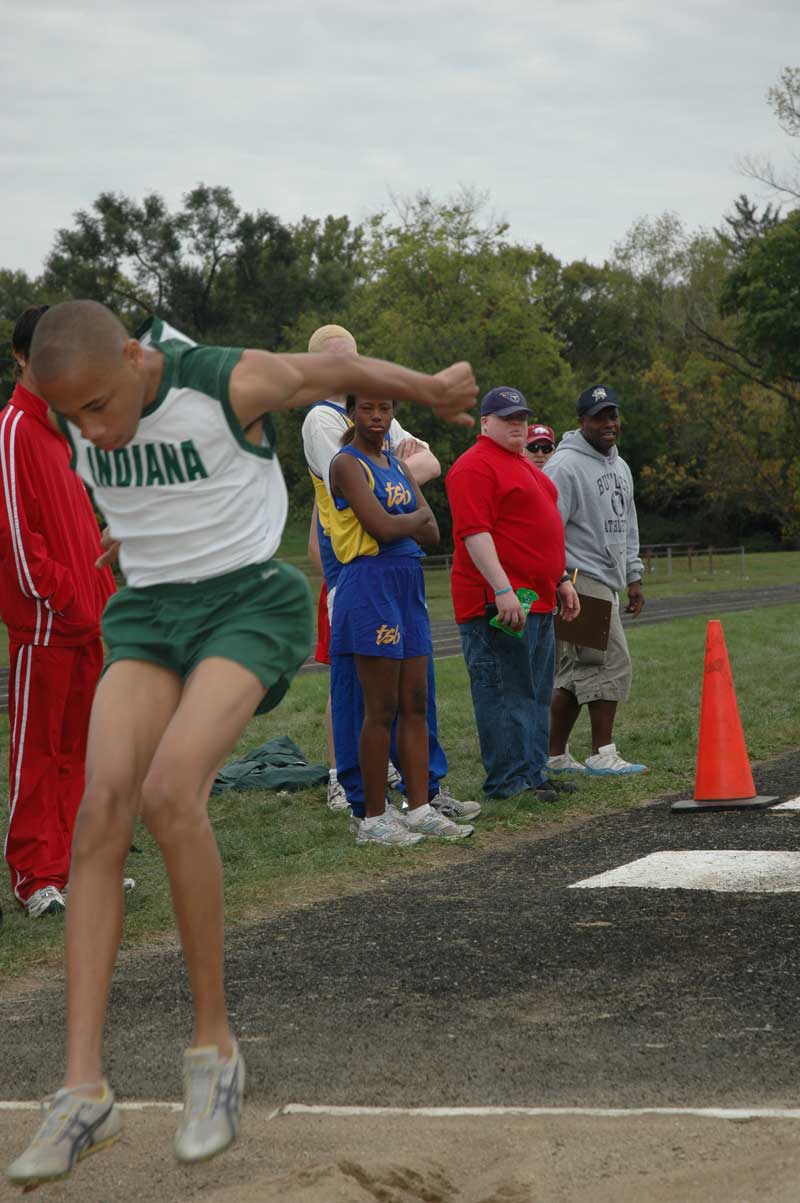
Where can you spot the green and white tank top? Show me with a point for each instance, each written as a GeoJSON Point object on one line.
{"type": "Point", "coordinates": [189, 497]}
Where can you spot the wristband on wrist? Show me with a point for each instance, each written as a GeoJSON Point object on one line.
{"type": "Point", "coordinates": [565, 577]}
{"type": "Point", "coordinates": [500, 592]}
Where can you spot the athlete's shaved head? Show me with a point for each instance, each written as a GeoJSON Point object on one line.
{"type": "Point", "coordinates": [88, 370]}
{"type": "Point", "coordinates": [74, 337]}
{"type": "Point", "coordinates": [332, 340]}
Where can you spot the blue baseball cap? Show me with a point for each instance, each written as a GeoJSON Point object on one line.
{"type": "Point", "coordinates": [595, 398]}
{"type": "Point", "coordinates": [504, 402]}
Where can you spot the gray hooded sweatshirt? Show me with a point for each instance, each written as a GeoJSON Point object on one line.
{"type": "Point", "coordinates": [595, 500]}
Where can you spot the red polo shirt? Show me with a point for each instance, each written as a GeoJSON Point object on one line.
{"type": "Point", "coordinates": [504, 494]}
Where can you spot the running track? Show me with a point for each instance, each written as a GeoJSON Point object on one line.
{"type": "Point", "coordinates": [446, 641]}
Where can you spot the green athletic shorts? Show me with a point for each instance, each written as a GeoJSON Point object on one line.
{"type": "Point", "coordinates": [258, 616]}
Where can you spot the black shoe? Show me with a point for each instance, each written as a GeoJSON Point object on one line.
{"type": "Point", "coordinates": [541, 793]}
{"type": "Point", "coordinates": [561, 787]}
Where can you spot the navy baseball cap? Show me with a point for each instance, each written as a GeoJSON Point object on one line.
{"type": "Point", "coordinates": [593, 399]}
{"type": "Point", "coordinates": [504, 402]}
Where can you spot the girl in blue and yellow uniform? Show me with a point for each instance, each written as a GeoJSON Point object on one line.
{"type": "Point", "coordinates": [379, 524]}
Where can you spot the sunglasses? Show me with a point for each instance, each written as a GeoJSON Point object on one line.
{"type": "Point", "coordinates": [545, 448]}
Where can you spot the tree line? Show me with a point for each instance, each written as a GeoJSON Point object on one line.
{"type": "Point", "coordinates": [698, 331]}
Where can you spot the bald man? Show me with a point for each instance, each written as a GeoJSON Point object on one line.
{"type": "Point", "coordinates": [174, 439]}
{"type": "Point", "coordinates": [322, 433]}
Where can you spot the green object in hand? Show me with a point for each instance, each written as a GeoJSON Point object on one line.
{"type": "Point", "coordinates": [526, 599]}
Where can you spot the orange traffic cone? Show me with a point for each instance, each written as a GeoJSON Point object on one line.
{"type": "Point", "coordinates": [723, 780]}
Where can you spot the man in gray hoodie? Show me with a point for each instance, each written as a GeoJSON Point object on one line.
{"type": "Point", "coordinates": [595, 499]}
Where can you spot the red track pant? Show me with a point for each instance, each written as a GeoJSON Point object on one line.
{"type": "Point", "coordinates": [50, 691]}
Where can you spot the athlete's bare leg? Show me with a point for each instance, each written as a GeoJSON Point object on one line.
{"type": "Point", "coordinates": [218, 701]}
{"type": "Point", "coordinates": [412, 729]}
{"type": "Point", "coordinates": [132, 707]}
{"type": "Point", "coordinates": [379, 678]}
{"type": "Point", "coordinates": [153, 745]}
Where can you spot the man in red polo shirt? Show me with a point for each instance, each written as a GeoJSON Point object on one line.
{"type": "Point", "coordinates": [508, 535]}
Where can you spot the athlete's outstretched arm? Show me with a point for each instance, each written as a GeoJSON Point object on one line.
{"type": "Point", "coordinates": [262, 383]}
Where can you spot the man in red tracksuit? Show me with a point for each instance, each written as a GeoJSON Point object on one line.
{"type": "Point", "coordinates": [51, 600]}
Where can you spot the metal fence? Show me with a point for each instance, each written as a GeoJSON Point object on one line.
{"type": "Point", "coordinates": [698, 558]}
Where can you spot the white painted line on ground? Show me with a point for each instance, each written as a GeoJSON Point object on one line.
{"type": "Point", "coordinates": [792, 804]}
{"type": "Point", "coordinates": [145, 1105]}
{"type": "Point", "coordinates": [729, 1113]}
{"type": "Point", "coordinates": [725, 871]}
{"type": "Point", "coordinates": [591, 1112]}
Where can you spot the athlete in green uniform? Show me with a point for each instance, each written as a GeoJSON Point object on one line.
{"type": "Point", "coordinates": [174, 441]}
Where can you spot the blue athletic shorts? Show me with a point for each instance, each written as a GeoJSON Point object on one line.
{"type": "Point", "coordinates": [379, 609]}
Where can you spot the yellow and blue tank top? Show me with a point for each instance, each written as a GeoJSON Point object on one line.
{"type": "Point", "coordinates": [394, 492]}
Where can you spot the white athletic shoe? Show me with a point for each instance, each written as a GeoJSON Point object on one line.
{"type": "Point", "coordinates": [337, 798]}
{"type": "Point", "coordinates": [608, 763]}
{"type": "Point", "coordinates": [392, 777]}
{"type": "Point", "coordinates": [389, 830]}
{"type": "Point", "coordinates": [565, 763]}
{"type": "Point", "coordinates": [454, 808]}
{"type": "Point", "coordinates": [436, 825]}
{"type": "Point", "coordinates": [73, 1128]}
{"type": "Point", "coordinates": [47, 901]}
{"type": "Point", "coordinates": [212, 1104]}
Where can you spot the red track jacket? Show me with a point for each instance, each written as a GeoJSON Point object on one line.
{"type": "Point", "coordinates": [51, 594]}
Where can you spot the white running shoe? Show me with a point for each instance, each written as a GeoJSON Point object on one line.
{"type": "Point", "coordinates": [389, 830]}
{"type": "Point", "coordinates": [47, 901]}
{"type": "Point", "coordinates": [212, 1103]}
{"type": "Point", "coordinates": [436, 825]}
{"type": "Point", "coordinates": [73, 1128]}
{"type": "Point", "coordinates": [565, 763]}
{"type": "Point", "coordinates": [337, 798]}
{"type": "Point", "coordinates": [454, 808]}
{"type": "Point", "coordinates": [392, 776]}
{"type": "Point", "coordinates": [392, 813]}
{"type": "Point", "coordinates": [608, 763]}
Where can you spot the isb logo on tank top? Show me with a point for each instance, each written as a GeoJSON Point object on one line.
{"type": "Point", "coordinates": [143, 464]}
{"type": "Point", "coordinates": [396, 494]}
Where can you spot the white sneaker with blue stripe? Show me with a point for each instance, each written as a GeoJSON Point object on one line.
{"type": "Point", "coordinates": [73, 1128]}
{"type": "Point", "coordinates": [608, 763]}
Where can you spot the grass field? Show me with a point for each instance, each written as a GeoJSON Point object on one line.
{"type": "Point", "coordinates": [702, 575]}
{"type": "Point", "coordinates": [287, 850]}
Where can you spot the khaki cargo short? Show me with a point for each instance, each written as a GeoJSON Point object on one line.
{"type": "Point", "coordinates": [589, 674]}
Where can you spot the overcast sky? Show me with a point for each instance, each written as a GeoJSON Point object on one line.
{"type": "Point", "coordinates": [577, 116]}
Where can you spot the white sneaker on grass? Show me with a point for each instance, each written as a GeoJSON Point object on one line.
{"type": "Point", "coordinates": [389, 830]}
{"type": "Point", "coordinates": [608, 763]}
{"type": "Point", "coordinates": [47, 901]}
{"type": "Point", "coordinates": [337, 798]}
{"type": "Point", "coordinates": [73, 1128]}
{"type": "Point", "coordinates": [454, 808]}
{"type": "Point", "coordinates": [393, 813]}
{"type": "Point", "coordinates": [446, 804]}
{"type": "Point", "coordinates": [565, 763]}
{"type": "Point", "coordinates": [435, 825]}
{"type": "Point", "coordinates": [212, 1103]}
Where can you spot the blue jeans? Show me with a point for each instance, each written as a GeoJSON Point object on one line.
{"type": "Point", "coordinates": [512, 684]}
{"type": "Point", "coordinates": [347, 711]}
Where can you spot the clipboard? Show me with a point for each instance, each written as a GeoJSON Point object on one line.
{"type": "Point", "coordinates": [590, 628]}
